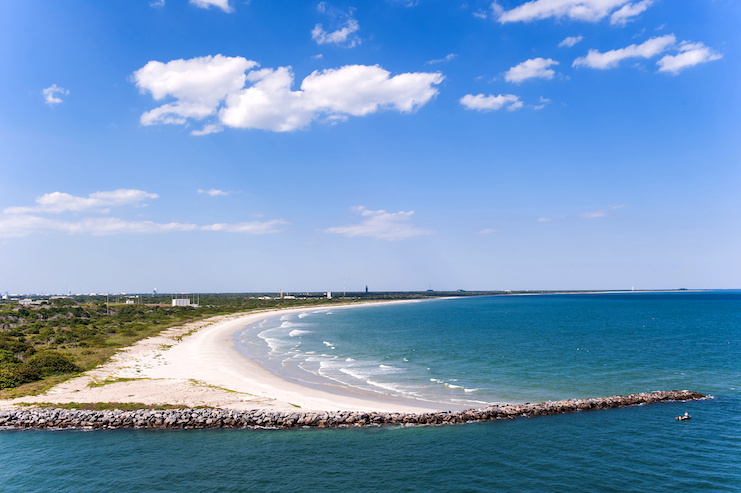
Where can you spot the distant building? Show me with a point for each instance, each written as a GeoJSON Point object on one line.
{"type": "Point", "coordinates": [183, 302]}
{"type": "Point", "coordinates": [329, 295]}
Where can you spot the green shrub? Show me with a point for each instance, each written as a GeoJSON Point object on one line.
{"type": "Point", "coordinates": [15, 375]}
{"type": "Point", "coordinates": [8, 358]}
{"type": "Point", "coordinates": [51, 363]}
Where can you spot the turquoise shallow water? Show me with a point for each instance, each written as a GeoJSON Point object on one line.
{"type": "Point", "coordinates": [499, 348]}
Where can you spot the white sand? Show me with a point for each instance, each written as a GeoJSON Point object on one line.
{"type": "Point", "coordinates": [197, 365]}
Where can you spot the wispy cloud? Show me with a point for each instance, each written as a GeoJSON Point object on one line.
{"type": "Point", "coordinates": [487, 231]}
{"type": "Point", "coordinates": [52, 93]}
{"type": "Point", "coordinates": [543, 102]}
{"type": "Point", "coordinates": [570, 41]}
{"type": "Point", "coordinates": [58, 202]}
{"type": "Point", "coordinates": [213, 192]}
{"type": "Point", "coordinates": [578, 10]}
{"type": "Point", "coordinates": [345, 34]}
{"type": "Point", "coordinates": [446, 58]}
{"type": "Point", "coordinates": [690, 54]}
{"type": "Point", "coordinates": [43, 218]}
{"type": "Point", "coordinates": [480, 102]}
{"type": "Point", "coordinates": [627, 12]}
{"type": "Point", "coordinates": [207, 4]}
{"type": "Point", "coordinates": [549, 219]}
{"type": "Point", "coordinates": [26, 225]}
{"type": "Point", "coordinates": [612, 58]}
{"type": "Point", "coordinates": [382, 225]}
{"type": "Point", "coordinates": [531, 69]}
{"type": "Point", "coordinates": [213, 87]}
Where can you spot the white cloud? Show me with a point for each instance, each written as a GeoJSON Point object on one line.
{"type": "Point", "coordinates": [214, 86]}
{"type": "Point", "coordinates": [157, 3]}
{"type": "Point", "coordinates": [57, 202]}
{"type": "Point", "coordinates": [691, 54]}
{"type": "Point", "coordinates": [50, 94]}
{"type": "Point", "coordinates": [206, 4]}
{"type": "Point", "coordinates": [446, 58]}
{"type": "Point", "coordinates": [211, 128]}
{"type": "Point", "coordinates": [487, 231]}
{"type": "Point", "coordinates": [529, 69]}
{"type": "Point", "coordinates": [626, 13]}
{"type": "Point", "coordinates": [199, 85]}
{"type": "Point", "coordinates": [390, 226]}
{"type": "Point", "coordinates": [491, 102]}
{"type": "Point", "coordinates": [612, 58]}
{"type": "Point", "coordinates": [543, 103]}
{"type": "Point", "coordinates": [593, 215]}
{"type": "Point", "coordinates": [25, 225]}
{"type": "Point", "coordinates": [570, 41]}
{"type": "Point", "coordinates": [24, 221]}
{"type": "Point", "coordinates": [549, 219]}
{"type": "Point", "coordinates": [252, 228]}
{"type": "Point", "coordinates": [344, 35]}
{"type": "Point", "coordinates": [213, 192]}
{"type": "Point", "coordinates": [581, 10]}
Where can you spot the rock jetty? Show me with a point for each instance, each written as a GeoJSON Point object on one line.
{"type": "Point", "coordinates": [225, 418]}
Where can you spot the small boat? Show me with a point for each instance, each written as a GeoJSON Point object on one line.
{"type": "Point", "coordinates": [683, 417]}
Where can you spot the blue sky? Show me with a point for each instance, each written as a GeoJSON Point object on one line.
{"type": "Point", "coordinates": [231, 146]}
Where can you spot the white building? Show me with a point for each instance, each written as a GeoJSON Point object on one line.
{"type": "Point", "coordinates": [183, 302]}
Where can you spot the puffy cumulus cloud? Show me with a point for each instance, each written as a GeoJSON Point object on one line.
{"type": "Point", "coordinates": [612, 58]}
{"type": "Point", "coordinates": [480, 102]}
{"type": "Point", "coordinates": [581, 10]}
{"type": "Point", "coordinates": [627, 12]}
{"type": "Point", "coordinates": [51, 94]}
{"type": "Point", "coordinates": [531, 69]}
{"type": "Point", "coordinates": [199, 85]}
{"type": "Point", "coordinates": [382, 225]}
{"type": "Point", "coordinates": [58, 202]}
{"type": "Point", "coordinates": [570, 41]}
{"type": "Point", "coordinates": [690, 54]}
{"type": "Point", "coordinates": [207, 4]}
{"type": "Point", "coordinates": [215, 86]}
{"type": "Point", "coordinates": [344, 35]}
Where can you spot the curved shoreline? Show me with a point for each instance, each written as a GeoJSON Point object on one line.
{"type": "Point", "coordinates": [197, 365]}
{"type": "Point", "coordinates": [224, 418]}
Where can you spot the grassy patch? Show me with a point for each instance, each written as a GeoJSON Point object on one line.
{"type": "Point", "coordinates": [215, 387]}
{"type": "Point", "coordinates": [35, 388]}
{"type": "Point", "coordinates": [108, 381]}
{"type": "Point", "coordinates": [100, 406]}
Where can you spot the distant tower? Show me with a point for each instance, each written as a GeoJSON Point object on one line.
{"type": "Point", "coordinates": [366, 290]}
{"type": "Point", "coordinates": [154, 291]}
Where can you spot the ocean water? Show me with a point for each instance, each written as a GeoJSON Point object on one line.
{"type": "Point", "coordinates": [459, 353]}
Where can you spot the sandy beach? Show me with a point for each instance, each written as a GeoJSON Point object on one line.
{"type": "Point", "coordinates": [197, 365]}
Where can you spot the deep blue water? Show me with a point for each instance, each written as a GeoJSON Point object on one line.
{"type": "Point", "coordinates": [525, 348]}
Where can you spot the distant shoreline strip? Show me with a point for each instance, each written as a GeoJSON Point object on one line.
{"type": "Point", "coordinates": [47, 418]}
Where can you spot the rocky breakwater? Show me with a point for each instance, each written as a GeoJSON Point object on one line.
{"type": "Point", "coordinates": [225, 418]}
